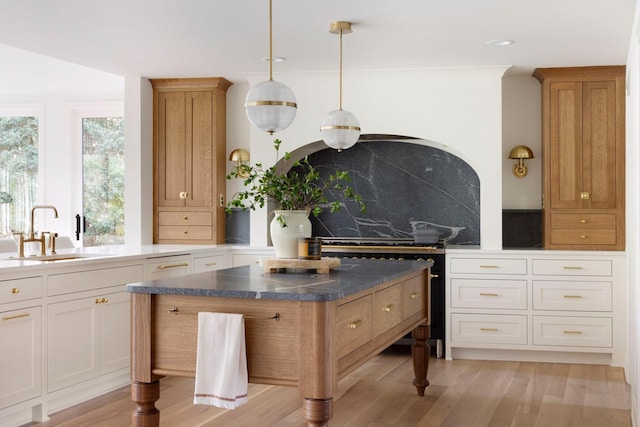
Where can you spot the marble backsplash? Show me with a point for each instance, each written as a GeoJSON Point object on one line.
{"type": "Point", "coordinates": [405, 186]}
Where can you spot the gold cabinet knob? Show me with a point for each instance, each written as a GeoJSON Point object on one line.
{"type": "Point", "coordinates": [413, 295]}
{"type": "Point", "coordinates": [183, 194]}
{"type": "Point", "coordinates": [584, 195]}
{"type": "Point", "coordinates": [185, 218]}
{"type": "Point", "coordinates": [185, 232]}
{"type": "Point", "coordinates": [388, 308]}
{"type": "Point", "coordinates": [583, 221]}
{"type": "Point", "coordinates": [15, 291]}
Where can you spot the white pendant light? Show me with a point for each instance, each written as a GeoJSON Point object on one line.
{"type": "Point", "coordinates": [340, 129]}
{"type": "Point", "coordinates": [270, 106]}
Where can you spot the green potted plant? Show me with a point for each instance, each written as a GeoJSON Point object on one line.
{"type": "Point", "coordinates": [298, 193]}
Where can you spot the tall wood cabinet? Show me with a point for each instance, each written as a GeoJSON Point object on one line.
{"type": "Point", "coordinates": [189, 136]}
{"type": "Point", "coordinates": [583, 141]}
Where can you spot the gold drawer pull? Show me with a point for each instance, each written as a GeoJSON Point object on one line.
{"type": "Point", "coordinates": [573, 332]}
{"type": "Point", "coordinates": [583, 221]}
{"type": "Point", "coordinates": [165, 267]}
{"type": "Point", "coordinates": [489, 329]}
{"type": "Point", "coordinates": [484, 294]}
{"type": "Point", "coordinates": [210, 264]}
{"type": "Point", "coordinates": [569, 267]}
{"type": "Point", "coordinates": [101, 300]}
{"type": "Point", "coordinates": [572, 296]}
{"type": "Point", "coordinates": [355, 324]}
{"type": "Point", "coordinates": [388, 308]}
{"type": "Point", "coordinates": [583, 236]}
{"type": "Point", "coordinates": [488, 266]}
{"type": "Point", "coordinates": [433, 276]}
{"type": "Point", "coordinates": [414, 295]}
{"type": "Point", "coordinates": [17, 316]}
{"type": "Point", "coordinates": [185, 218]}
{"type": "Point", "coordinates": [15, 291]}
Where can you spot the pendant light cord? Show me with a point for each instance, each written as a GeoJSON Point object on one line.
{"type": "Point", "coordinates": [341, 69]}
{"type": "Point", "coordinates": [270, 41]}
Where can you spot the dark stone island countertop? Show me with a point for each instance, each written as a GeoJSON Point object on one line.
{"type": "Point", "coordinates": [252, 282]}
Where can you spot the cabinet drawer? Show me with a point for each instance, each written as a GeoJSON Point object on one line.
{"type": "Point", "coordinates": [20, 289]}
{"type": "Point", "coordinates": [572, 331]}
{"type": "Point", "coordinates": [58, 284]}
{"type": "Point", "coordinates": [184, 218]}
{"type": "Point", "coordinates": [168, 267]}
{"type": "Point", "coordinates": [570, 267]}
{"type": "Point", "coordinates": [477, 293]}
{"type": "Point", "coordinates": [488, 329]}
{"type": "Point", "coordinates": [413, 296]}
{"type": "Point", "coordinates": [584, 221]}
{"type": "Point", "coordinates": [186, 232]}
{"type": "Point", "coordinates": [578, 296]}
{"type": "Point", "coordinates": [387, 309]}
{"type": "Point", "coordinates": [488, 266]}
{"type": "Point", "coordinates": [570, 236]}
{"type": "Point", "coordinates": [208, 263]}
{"type": "Point", "coordinates": [353, 325]}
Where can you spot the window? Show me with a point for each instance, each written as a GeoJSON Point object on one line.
{"type": "Point", "coordinates": [99, 130]}
{"type": "Point", "coordinates": [19, 164]}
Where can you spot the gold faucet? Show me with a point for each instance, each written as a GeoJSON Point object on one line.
{"type": "Point", "coordinates": [31, 237]}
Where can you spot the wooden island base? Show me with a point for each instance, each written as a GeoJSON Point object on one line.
{"type": "Point", "coordinates": [305, 344]}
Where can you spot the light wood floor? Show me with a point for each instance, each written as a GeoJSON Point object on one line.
{"type": "Point", "coordinates": [462, 393]}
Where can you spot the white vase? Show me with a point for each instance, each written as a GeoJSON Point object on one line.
{"type": "Point", "coordinates": [285, 238]}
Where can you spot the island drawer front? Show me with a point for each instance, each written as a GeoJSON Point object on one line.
{"type": "Point", "coordinates": [572, 331]}
{"type": "Point", "coordinates": [58, 284]}
{"type": "Point", "coordinates": [168, 267]}
{"type": "Point", "coordinates": [575, 296]}
{"type": "Point", "coordinates": [184, 218]}
{"type": "Point", "coordinates": [413, 296]}
{"type": "Point", "coordinates": [20, 289]}
{"type": "Point", "coordinates": [354, 325]}
{"type": "Point", "coordinates": [488, 329]}
{"type": "Point", "coordinates": [272, 345]}
{"type": "Point", "coordinates": [570, 236]}
{"type": "Point", "coordinates": [488, 266]}
{"type": "Point", "coordinates": [584, 221]}
{"type": "Point", "coordinates": [387, 309]}
{"type": "Point", "coordinates": [208, 263]}
{"type": "Point", "coordinates": [187, 232]}
{"type": "Point", "coordinates": [482, 293]}
{"type": "Point", "coordinates": [569, 267]}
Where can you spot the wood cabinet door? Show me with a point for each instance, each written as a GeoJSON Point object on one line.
{"type": "Point", "coordinates": [171, 149]}
{"type": "Point", "coordinates": [565, 145]}
{"type": "Point", "coordinates": [200, 149]}
{"type": "Point", "coordinates": [599, 144]}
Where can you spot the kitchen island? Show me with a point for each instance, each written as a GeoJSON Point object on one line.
{"type": "Point", "coordinates": [303, 329]}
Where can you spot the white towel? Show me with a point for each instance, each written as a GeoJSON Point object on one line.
{"type": "Point", "coordinates": [221, 364]}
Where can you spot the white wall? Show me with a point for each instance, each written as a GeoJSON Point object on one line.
{"type": "Point", "coordinates": [633, 212]}
{"type": "Point", "coordinates": [521, 125]}
{"type": "Point", "coordinates": [460, 108]}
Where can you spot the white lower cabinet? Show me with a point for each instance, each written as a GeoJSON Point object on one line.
{"type": "Point", "coordinates": [21, 355]}
{"type": "Point", "coordinates": [87, 337]}
{"type": "Point", "coordinates": [170, 266]}
{"type": "Point", "coordinates": [537, 305]}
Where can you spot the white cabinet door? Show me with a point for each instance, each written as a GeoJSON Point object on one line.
{"type": "Point", "coordinates": [72, 342]}
{"type": "Point", "coordinates": [115, 330]}
{"type": "Point", "coordinates": [21, 355]}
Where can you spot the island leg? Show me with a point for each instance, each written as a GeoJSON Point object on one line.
{"type": "Point", "coordinates": [145, 395]}
{"type": "Point", "coordinates": [420, 351]}
{"type": "Point", "coordinates": [317, 412]}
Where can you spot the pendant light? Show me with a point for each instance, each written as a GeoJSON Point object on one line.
{"type": "Point", "coordinates": [340, 129]}
{"type": "Point", "coordinates": [270, 106]}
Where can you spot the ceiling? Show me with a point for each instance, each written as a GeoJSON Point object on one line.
{"type": "Point", "coordinates": [188, 38]}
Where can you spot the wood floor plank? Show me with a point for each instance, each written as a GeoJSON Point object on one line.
{"type": "Point", "coordinates": [462, 393]}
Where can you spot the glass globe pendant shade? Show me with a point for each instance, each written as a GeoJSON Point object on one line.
{"type": "Point", "coordinates": [270, 106]}
{"type": "Point", "coordinates": [340, 129]}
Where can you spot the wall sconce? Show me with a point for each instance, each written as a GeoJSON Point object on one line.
{"type": "Point", "coordinates": [241, 157]}
{"type": "Point", "coordinates": [521, 153]}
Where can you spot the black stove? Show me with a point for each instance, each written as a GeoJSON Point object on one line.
{"type": "Point", "coordinates": [398, 249]}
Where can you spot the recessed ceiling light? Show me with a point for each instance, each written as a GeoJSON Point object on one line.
{"type": "Point", "coordinates": [275, 59]}
{"type": "Point", "coordinates": [499, 43]}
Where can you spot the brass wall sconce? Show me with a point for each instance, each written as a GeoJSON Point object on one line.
{"type": "Point", "coordinates": [241, 157]}
{"type": "Point", "coordinates": [521, 153]}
